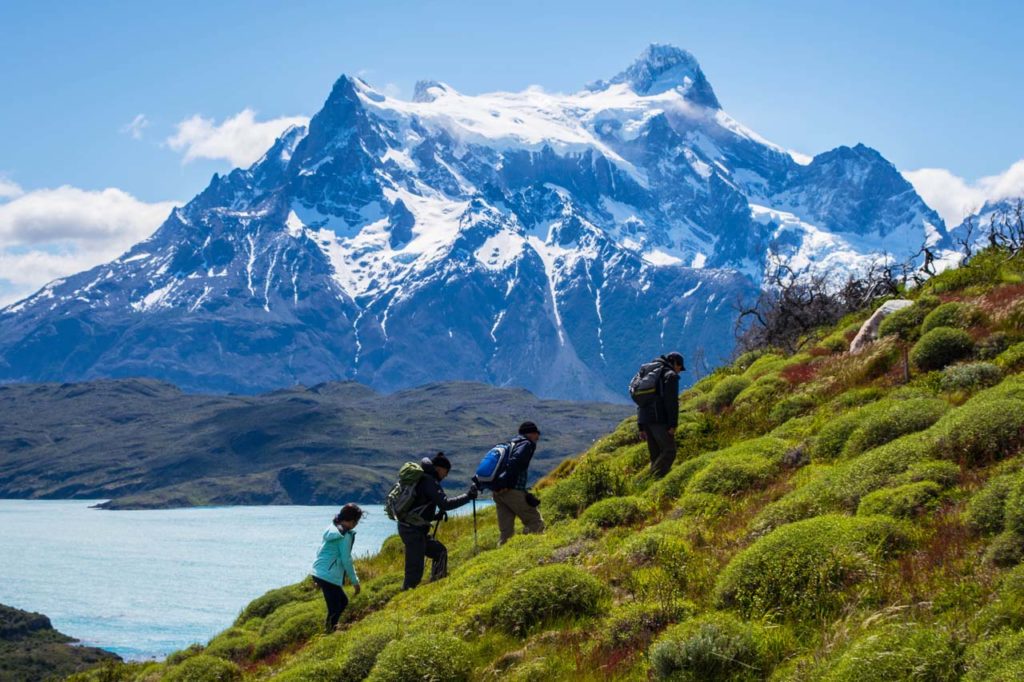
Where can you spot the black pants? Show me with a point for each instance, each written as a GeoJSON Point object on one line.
{"type": "Point", "coordinates": [336, 602]}
{"type": "Point", "coordinates": [662, 447]}
{"type": "Point", "coordinates": [418, 546]}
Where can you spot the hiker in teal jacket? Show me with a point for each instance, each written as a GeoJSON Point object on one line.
{"type": "Point", "coordinates": [334, 562]}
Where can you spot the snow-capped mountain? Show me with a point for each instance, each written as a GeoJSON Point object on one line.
{"type": "Point", "coordinates": [543, 240]}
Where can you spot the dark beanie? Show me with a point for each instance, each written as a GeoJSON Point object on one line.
{"type": "Point", "coordinates": [676, 359]}
{"type": "Point", "coordinates": [439, 460]}
{"type": "Point", "coordinates": [528, 427]}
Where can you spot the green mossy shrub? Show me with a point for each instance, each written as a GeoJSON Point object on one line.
{"type": "Point", "coordinates": [946, 474]}
{"type": "Point", "coordinates": [769, 362]}
{"type": "Point", "coordinates": [1006, 610]}
{"type": "Point", "coordinates": [970, 376]}
{"type": "Point", "coordinates": [434, 657]}
{"type": "Point", "coordinates": [761, 394]}
{"type": "Point", "coordinates": [796, 429]}
{"type": "Point", "coordinates": [986, 510]}
{"type": "Point", "coordinates": [374, 595]}
{"type": "Point", "coordinates": [910, 651]}
{"type": "Point", "coordinates": [744, 360]}
{"type": "Point", "coordinates": [703, 506]}
{"type": "Point", "coordinates": [289, 625]}
{"type": "Point", "coordinates": [329, 670]}
{"type": "Point", "coordinates": [992, 346]}
{"type": "Point", "coordinates": [711, 648]}
{"type": "Point", "coordinates": [184, 654]}
{"type": "Point", "coordinates": [902, 502]}
{"type": "Point", "coordinates": [792, 407]}
{"type": "Point", "coordinates": [1006, 549]}
{"type": "Point", "coordinates": [593, 479]}
{"type": "Point", "coordinates": [956, 315]}
{"type": "Point", "coordinates": [726, 390]}
{"type": "Point", "coordinates": [203, 668]}
{"type": "Point", "coordinates": [728, 474]}
{"type": "Point", "coordinates": [981, 431]}
{"type": "Point", "coordinates": [1012, 359]}
{"type": "Point", "coordinates": [274, 599]}
{"type": "Point", "coordinates": [636, 624]}
{"type": "Point", "coordinates": [886, 421]}
{"type": "Point", "coordinates": [235, 644]}
{"type": "Point", "coordinates": [856, 397]}
{"type": "Point", "coordinates": [940, 347]}
{"type": "Point", "coordinates": [835, 343]}
{"type": "Point", "coordinates": [1014, 514]}
{"type": "Point", "coordinates": [996, 659]}
{"type": "Point", "coordinates": [363, 650]}
{"type": "Point", "coordinates": [617, 511]}
{"type": "Point", "coordinates": [832, 437]}
{"type": "Point", "coordinates": [803, 570]}
{"type": "Point", "coordinates": [904, 324]}
{"type": "Point", "coordinates": [545, 594]}
{"type": "Point", "coordinates": [675, 481]}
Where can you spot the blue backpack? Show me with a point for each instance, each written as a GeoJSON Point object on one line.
{"type": "Point", "coordinates": [492, 465]}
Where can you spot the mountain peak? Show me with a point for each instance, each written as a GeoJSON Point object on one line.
{"type": "Point", "coordinates": [666, 67]}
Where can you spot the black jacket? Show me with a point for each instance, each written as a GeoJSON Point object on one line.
{"type": "Point", "coordinates": [664, 410]}
{"type": "Point", "coordinates": [430, 496]}
{"type": "Point", "coordinates": [515, 473]}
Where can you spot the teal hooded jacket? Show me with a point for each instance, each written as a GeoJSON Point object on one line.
{"type": "Point", "coordinates": [334, 560]}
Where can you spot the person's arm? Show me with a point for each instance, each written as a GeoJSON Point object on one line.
{"type": "Point", "coordinates": [670, 399]}
{"type": "Point", "coordinates": [345, 557]}
{"type": "Point", "coordinates": [519, 460]}
{"type": "Point", "coordinates": [437, 495]}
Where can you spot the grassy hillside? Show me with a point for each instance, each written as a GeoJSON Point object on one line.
{"type": "Point", "coordinates": [824, 521]}
{"type": "Point", "coordinates": [145, 443]}
{"type": "Point", "coordinates": [30, 649]}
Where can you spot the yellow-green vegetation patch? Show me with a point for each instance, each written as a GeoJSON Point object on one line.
{"type": "Point", "coordinates": [954, 314]}
{"type": "Point", "coordinates": [289, 625]}
{"type": "Point", "coordinates": [804, 569]}
{"type": "Point", "coordinates": [970, 376]}
{"type": "Point", "coordinates": [617, 511]}
{"type": "Point", "coordinates": [905, 501]}
{"type": "Point", "coordinates": [436, 657]}
{"type": "Point", "coordinates": [1012, 359]}
{"type": "Point", "coordinates": [547, 594]}
{"type": "Point", "coordinates": [904, 651]}
{"type": "Point", "coordinates": [203, 668]}
{"type": "Point", "coordinates": [703, 506]}
{"type": "Point", "coordinates": [996, 659]}
{"type": "Point", "coordinates": [235, 644]}
{"type": "Point", "coordinates": [889, 419]}
{"type": "Point", "coordinates": [714, 647]}
{"type": "Point", "coordinates": [635, 624]}
{"type": "Point", "coordinates": [981, 431]}
{"type": "Point", "coordinates": [726, 390]}
{"type": "Point", "coordinates": [593, 479]}
{"type": "Point", "coordinates": [727, 474]}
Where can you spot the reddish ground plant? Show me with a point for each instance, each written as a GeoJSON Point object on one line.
{"type": "Point", "coordinates": [800, 373]}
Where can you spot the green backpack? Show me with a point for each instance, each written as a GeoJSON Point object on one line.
{"type": "Point", "coordinates": [398, 504]}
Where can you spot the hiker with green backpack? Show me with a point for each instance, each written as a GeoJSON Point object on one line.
{"type": "Point", "coordinates": [655, 390]}
{"type": "Point", "coordinates": [415, 502]}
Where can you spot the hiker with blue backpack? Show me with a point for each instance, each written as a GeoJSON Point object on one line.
{"type": "Point", "coordinates": [334, 562]}
{"type": "Point", "coordinates": [415, 501]}
{"type": "Point", "coordinates": [655, 390]}
{"type": "Point", "coordinates": [505, 470]}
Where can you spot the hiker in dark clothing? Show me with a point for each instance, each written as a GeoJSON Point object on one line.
{"type": "Point", "coordinates": [657, 421]}
{"type": "Point", "coordinates": [511, 498]}
{"type": "Point", "coordinates": [334, 562]}
{"type": "Point", "coordinates": [430, 499]}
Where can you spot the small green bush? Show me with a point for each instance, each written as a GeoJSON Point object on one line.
{"type": "Point", "coordinates": [545, 594]}
{"type": "Point", "coordinates": [727, 474]}
{"type": "Point", "coordinates": [970, 376]}
{"type": "Point", "coordinates": [289, 625]}
{"type": "Point", "coordinates": [986, 510]}
{"type": "Point", "coordinates": [946, 474]}
{"type": "Point", "coordinates": [904, 501]}
{"type": "Point", "coordinates": [704, 506]}
{"type": "Point", "coordinates": [434, 657]}
{"type": "Point", "coordinates": [616, 511]}
{"type": "Point", "coordinates": [958, 315]}
{"type": "Point", "coordinates": [634, 625]}
{"type": "Point", "coordinates": [1012, 359]}
{"type": "Point", "coordinates": [1006, 611]}
{"type": "Point", "coordinates": [940, 347]}
{"type": "Point", "coordinates": [593, 479]}
{"type": "Point", "coordinates": [363, 650]}
{"type": "Point", "coordinates": [374, 595]}
{"type": "Point", "coordinates": [890, 419]}
{"type": "Point", "coordinates": [904, 324]}
{"type": "Point", "coordinates": [996, 659]}
{"type": "Point", "coordinates": [265, 605]}
{"type": "Point", "coordinates": [792, 407]}
{"type": "Point", "coordinates": [992, 346]}
{"type": "Point", "coordinates": [235, 644]}
{"type": "Point", "coordinates": [672, 485]}
{"type": "Point", "coordinates": [898, 652]}
{"type": "Point", "coordinates": [801, 570]}
{"type": "Point", "coordinates": [1014, 514]}
{"type": "Point", "coordinates": [726, 390]}
{"type": "Point", "coordinates": [769, 362]}
{"type": "Point", "coordinates": [711, 648]}
{"type": "Point", "coordinates": [203, 668]}
{"type": "Point", "coordinates": [1006, 549]}
{"type": "Point", "coordinates": [833, 436]}
{"type": "Point", "coordinates": [981, 431]}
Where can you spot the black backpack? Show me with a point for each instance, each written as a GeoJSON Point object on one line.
{"type": "Point", "coordinates": [645, 386]}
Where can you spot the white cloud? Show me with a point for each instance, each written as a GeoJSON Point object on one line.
{"type": "Point", "coordinates": [240, 139]}
{"type": "Point", "coordinates": [136, 126]}
{"type": "Point", "coordinates": [9, 189]}
{"type": "Point", "coordinates": [955, 198]}
{"type": "Point", "coordinates": [51, 233]}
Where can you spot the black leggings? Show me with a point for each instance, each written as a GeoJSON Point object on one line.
{"type": "Point", "coordinates": [336, 602]}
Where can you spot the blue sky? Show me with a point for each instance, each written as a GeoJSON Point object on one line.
{"type": "Point", "coordinates": [930, 84]}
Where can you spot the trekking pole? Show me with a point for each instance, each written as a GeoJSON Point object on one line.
{"type": "Point", "coordinates": [474, 528]}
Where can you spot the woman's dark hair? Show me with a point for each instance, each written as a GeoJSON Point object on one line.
{"type": "Point", "coordinates": [350, 512]}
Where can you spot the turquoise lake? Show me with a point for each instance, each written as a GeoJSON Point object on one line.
{"type": "Point", "coordinates": [145, 583]}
